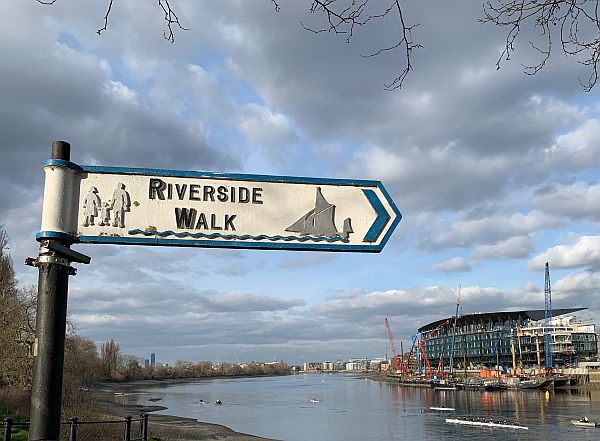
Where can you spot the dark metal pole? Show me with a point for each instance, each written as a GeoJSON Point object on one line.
{"type": "Point", "coordinates": [128, 428]}
{"type": "Point", "coordinates": [49, 349]}
{"type": "Point", "coordinates": [144, 422]}
{"type": "Point", "coordinates": [73, 434]}
{"type": "Point", "coordinates": [7, 428]}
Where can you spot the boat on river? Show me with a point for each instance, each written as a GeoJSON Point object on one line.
{"type": "Point", "coordinates": [534, 383]}
{"type": "Point", "coordinates": [584, 423]}
{"type": "Point", "coordinates": [442, 409]}
{"type": "Point", "coordinates": [484, 423]}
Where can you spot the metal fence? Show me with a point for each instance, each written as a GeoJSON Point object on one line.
{"type": "Point", "coordinates": [129, 423]}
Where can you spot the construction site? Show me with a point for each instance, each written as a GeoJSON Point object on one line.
{"type": "Point", "coordinates": [500, 345]}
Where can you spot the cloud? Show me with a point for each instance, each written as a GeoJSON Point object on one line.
{"type": "Point", "coordinates": [241, 302]}
{"type": "Point", "coordinates": [584, 252]}
{"type": "Point", "coordinates": [264, 128]}
{"type": "Point", "coordinates": [579, 200]}
{"type": "Point", "coordinates": [505, 231]}
{"type": "Point", "coordinates": [511, 248]}
{"type": "Point", "coordinates": [455, 265]}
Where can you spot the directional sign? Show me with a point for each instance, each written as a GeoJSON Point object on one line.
{"type": "Point", "coordinates": [134, 206]}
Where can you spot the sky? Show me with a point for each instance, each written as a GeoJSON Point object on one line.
{"type": "Point", "coordinates": [495, 172]}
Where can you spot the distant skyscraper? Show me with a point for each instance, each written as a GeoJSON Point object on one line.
{"type": "Point", "coordinates": [146, 363]}
{"type": "Point", "coordinates": [152, 360]}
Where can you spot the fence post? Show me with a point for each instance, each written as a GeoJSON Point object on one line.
{"type": "Point", "coordinates": [73, 434]}
{"type": "Point", "coordinates": [144, 423]}
{"type": "Point", "coordinates": [8, 422]}
{"type": "Point", "coordinates": [128, 428]}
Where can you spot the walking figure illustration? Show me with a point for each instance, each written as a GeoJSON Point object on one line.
{"type": "Point", "coordinates": [120, 204]}
{"type": "Point", "coordinates": [91, 203]}
{"type": "Point", "coordinates": [105, 215]}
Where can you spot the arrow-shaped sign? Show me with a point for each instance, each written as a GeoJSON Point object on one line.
{"type": "Point", "coordinates": [182, 208]}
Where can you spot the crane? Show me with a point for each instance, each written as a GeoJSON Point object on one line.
{"type": "Point", "coordinates": [547, 319]}
{"type": "Point", "coordinates": [396, 361]}
{"type": "Point", "coordinates": [454, 332]}
{"type": "Point", "coordinates": [422, 341]}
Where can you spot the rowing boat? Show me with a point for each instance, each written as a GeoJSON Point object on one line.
{"type": "Point", "coordinates": [442, 408]}
{"type": "Point", "coordinates": [484, 424]}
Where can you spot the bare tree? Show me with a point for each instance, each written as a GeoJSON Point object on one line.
{"type": "Point", "coordinates": [17, 323]}
{"type": "Point", "coordinates": [573, 24]}
{"type": "Point", "coordinates": [110, 353]}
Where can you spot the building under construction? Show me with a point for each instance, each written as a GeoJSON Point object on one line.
{"type": "Point", "coordinates": [514, 339]}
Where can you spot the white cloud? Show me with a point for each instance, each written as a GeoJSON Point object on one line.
{"type": "Point", "coordinates": [455, 265]}
{"type": "Point", "coordinates": [511, 248]}
{"type": "Point", "coordinates": [584, 252]}
{"type": "Point", "coordinates": [267, 129]}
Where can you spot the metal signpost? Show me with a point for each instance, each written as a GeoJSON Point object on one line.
{"type": "Point", "coordinates": [137, 206]}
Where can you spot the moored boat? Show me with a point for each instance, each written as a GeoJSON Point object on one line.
{"type": "Point", "coordinates": [534, 383]}
{"type": "Point", "coordinates": [494, 385]}
{"type": "Point", "coordinates": [485, 423]}
{"type": "Point", "coordinates": [560, 381]}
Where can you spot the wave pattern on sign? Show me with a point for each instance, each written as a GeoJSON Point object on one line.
{"type": "Point", "coordinates": [236, 237]}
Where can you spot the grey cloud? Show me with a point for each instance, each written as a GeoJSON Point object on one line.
{"type": "Point", "coordinates": [500, 229]}
{"type": "Point", "coordinates": [240, 302]}
{"type": "Point", "coordinates": [575, 201]}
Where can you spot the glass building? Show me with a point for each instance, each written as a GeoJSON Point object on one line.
{"type": "Point", "coordinates": [515, 339]}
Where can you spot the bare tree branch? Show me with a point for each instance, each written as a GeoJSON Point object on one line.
{"type": "Point", "coordinates": [574, 23]}
{"type": "Point", "coordinates": [170, 19]}
{"type": "Point", "coordinates": [99, 31]}
{"type": "Point", "coordinates": [350, 16]}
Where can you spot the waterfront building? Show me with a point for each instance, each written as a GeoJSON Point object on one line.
{"type": "Point", "coordinates": [328, 366]}
{"type": "Point", "coordinates": [513, 339]}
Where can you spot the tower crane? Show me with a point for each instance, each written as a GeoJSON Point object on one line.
{"type": "Point", "coordinates": [547, 319]}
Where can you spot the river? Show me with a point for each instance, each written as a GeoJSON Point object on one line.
{"type": "Point", "coordinates": [358, 409]}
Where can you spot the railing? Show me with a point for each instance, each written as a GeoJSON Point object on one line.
{"type": "Point", "coordinates": [74, 423]}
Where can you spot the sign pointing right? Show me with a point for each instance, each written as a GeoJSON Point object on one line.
{"type": "Point", "coordinates": [133, 206]}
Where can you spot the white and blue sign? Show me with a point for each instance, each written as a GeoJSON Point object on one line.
{"type": "Point", "coordinates": [134, 206]}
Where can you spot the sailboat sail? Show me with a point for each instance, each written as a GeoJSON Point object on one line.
{"type": "Point", "coordinates": [320, 221]}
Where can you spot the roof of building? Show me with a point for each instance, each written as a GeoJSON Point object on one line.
{"type": "Point", "coordinates": [532, 314]}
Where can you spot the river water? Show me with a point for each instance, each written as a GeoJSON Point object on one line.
{"type": "Point", "coordinates": [358, 409]}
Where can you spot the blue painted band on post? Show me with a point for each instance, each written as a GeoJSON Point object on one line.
{"type": "Point", "coordinates": [62, 163]}
{"type": "Point", "coordinates": [382, 216]}
{"type": "Point", "coordinates": [212, 175]}
{"type": "Point", "coordinates": [43, 235]}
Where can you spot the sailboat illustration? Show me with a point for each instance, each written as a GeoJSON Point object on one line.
{"type": "Point", "coordinates": [320, 221]}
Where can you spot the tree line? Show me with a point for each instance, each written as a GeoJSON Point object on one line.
{"type": "Point", "coordinates": [84, 366]}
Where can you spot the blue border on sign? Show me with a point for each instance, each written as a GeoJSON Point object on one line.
{"type": "Point", "coordinates": [221, 244]}
{"type": "Point", "coordinates": [212, 175]}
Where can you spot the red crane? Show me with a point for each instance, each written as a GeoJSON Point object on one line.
{"type": "Point", "coordinates": [396, 361]}
{"type": "Point", "coordinates": [424, 338]}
